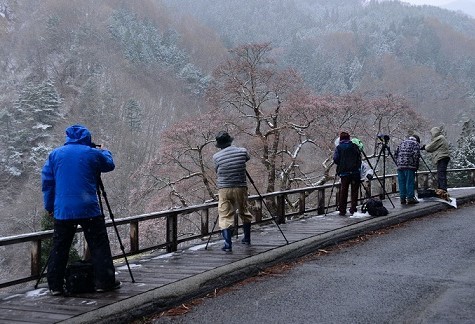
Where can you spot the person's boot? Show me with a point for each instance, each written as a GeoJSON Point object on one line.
{"type": "Point", "coordinates": [227, 235]}
{"type": "Point", "coordinates": [247, 233]}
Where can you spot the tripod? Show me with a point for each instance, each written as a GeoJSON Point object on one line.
{"type": "Point", "coordinates": [100, 188]}
{"type": "Point", "coordinates": [381, 183]}
{"type": "Point", "coordinates": [384, 140]}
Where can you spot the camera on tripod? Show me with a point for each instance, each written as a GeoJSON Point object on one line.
{"type": "Point", "coordinates": [94, 145]}
{"type": "Point", "coordinates": [384, 138]}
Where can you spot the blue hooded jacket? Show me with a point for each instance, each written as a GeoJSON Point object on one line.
{"type": "Point", "coordinates": [70, 176]}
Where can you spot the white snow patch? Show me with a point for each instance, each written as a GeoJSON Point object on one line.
{"type": "Point", "coordinates": [359, 215]}
{"type": "Point", "coordinates": [133, 265]}
{"type": "Point", "coordinates": [36, 292]}
{"type": "Point", "coordinates": [12, 296]}
{"type": "Point", "coordinates": [201, 246]}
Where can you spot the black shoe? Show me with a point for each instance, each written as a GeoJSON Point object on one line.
{"type": "Point", "coordinates": [412, 201]}
{"type": "Point", "coordinates": [117, 284]}
{"type": "Point", "coordinates": [403, 201]}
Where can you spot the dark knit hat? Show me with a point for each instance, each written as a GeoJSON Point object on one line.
{"type": "Point", "coordinates": [223, 139]}
{"type": "Point", "coordinates": [344, 136]}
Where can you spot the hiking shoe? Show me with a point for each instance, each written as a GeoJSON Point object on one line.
{"type": "Point", "coordinates": [227, 249]}
{"type": "Point", "coordinates": [412, 201]}
{"type": "Point", "coordinates": [117, 284]}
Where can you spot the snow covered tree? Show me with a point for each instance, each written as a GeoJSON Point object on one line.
{"type": "Point", "coordinates": [464, 155]}
{"type": "Point", "coordinates": [29, 126]}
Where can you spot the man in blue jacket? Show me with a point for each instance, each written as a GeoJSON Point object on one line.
{"type": "Point", "coordinates": [69, 183]}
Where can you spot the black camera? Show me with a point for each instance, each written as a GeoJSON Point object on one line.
{"type": "Point", "coordinates": [383, 138]}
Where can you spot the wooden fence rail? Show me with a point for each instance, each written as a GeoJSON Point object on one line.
{"type": "Point", "coordinates": [316, 199]}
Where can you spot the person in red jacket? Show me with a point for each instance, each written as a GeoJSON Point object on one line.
{"type": "Point", "coordinates": [69, 183]}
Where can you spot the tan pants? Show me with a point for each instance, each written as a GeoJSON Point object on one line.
{"type": "Point", "coordinates": [230, 200]}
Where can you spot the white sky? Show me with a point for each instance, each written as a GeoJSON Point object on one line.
{"type": "Point", "coordinates": [428, 2]}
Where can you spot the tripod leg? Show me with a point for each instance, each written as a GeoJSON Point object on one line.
{"type": "Point", "coordinates": [331, 193]}
{"type": "Point", "coordinates": [262, 198]}
{"type": "Point", "coordinates": [212, 230]}
{"type": "Point", "coordinates": [43, 271]}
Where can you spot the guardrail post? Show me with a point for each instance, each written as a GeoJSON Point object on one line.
{"type": "Point", "coordinates": [425, 181]}
{"type": "Point", "coordinates": [321, 201]}
{"type": "Point", "coordinates": [205, 222]}
{"type": "Point", "coordinates": [258, 210]}
{"type": "Point", "coordinates": [36, 258]}
{"type": "Point", "coordinates": [172, 232]}
{"type": "Point", "coordinates": [394, 184]}
{"type": "Point", "coordinates": [302, 197]}
{"type": "Point", "coordinates": [280, 209]}
{"type": "Point", "coordinates": [134, 237]}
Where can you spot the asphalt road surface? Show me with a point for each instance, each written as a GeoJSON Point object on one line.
{"type": "Point", "coordinates": [420, 272]}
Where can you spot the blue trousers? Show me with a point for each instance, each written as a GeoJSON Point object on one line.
{"type": "Point", "coordinates": [405, 179]}
{"type": "Point", "coordinates": [98, 242]}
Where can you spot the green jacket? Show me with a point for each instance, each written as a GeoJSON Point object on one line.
{"type": "Point", "coordinates": [439, 147]}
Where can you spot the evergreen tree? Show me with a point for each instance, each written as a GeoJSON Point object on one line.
{"type": "Point", "coordinates": [464, 154]}
{"type": "Point", "coordinates": [133, 115]}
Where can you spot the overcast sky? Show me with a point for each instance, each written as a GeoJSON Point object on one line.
{"type": "Point", "coordinates": [429, 2]}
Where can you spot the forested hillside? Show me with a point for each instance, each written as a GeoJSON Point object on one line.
{"type": "Point", "coordinates": [425, 54]}
{"type": "Point", "coordinates": [154, 80]}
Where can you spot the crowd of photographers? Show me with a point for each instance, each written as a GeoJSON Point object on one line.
{"type": "Point", "coordinates": [70, 189]}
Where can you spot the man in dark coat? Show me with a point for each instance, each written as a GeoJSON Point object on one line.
{"type": "Point", "coordinates": [69, 184]}
{"type": "Point", "coordinates": [347, 157]}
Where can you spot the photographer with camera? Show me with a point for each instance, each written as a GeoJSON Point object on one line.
{"type": "Point", "coordinates": [230, 164]}
{"type": "Point", "coordinates": [69, 184]}
{"type": "Point", "coordinates": [347, 157]}
{"type": "Point", "coordinates": [440, 150]}
{"type": "Point", "coordinates": [407, 161]}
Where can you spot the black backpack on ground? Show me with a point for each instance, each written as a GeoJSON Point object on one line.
{"type": "Point", "coordinates": [79, 278]}
{"type": "Point", "coordinates": [374, 207]}
{"type": "Point", "coordinates": [426, 193]}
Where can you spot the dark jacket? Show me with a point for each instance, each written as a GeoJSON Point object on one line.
{"type": "Point", "coordinates": [70, 174]}
{"type": "Point", "coordinates": [347, 157]}
{"type": "Point", "coordinates": [407, 154]}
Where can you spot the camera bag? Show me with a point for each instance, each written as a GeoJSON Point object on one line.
{"type": "Point", "coordinates": [79, 278]}
{"type": "Point", "coordinates": [426, 193]}
{"type": "Point", "coordinates": [374, 207]}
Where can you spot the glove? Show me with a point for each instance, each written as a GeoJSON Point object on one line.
{"type": "Point", "coordinates": [423, 147]}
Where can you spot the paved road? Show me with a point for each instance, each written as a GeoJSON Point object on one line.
{"type": "Point", "coordinates": [421, 272]}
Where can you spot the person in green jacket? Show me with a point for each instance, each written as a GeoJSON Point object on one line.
{"type": "Point", "coordinates": [439, 148]}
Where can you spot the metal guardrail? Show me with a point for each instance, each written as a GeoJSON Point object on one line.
{"type": "Point", "coordinates": [306, 200]}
